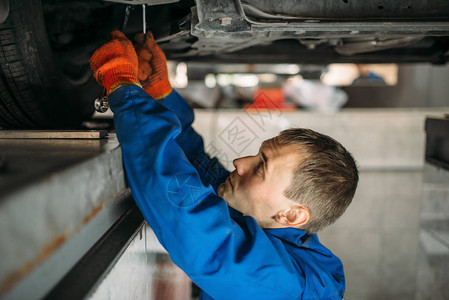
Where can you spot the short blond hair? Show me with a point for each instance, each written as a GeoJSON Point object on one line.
{"type": "Point", "coordinates": [325, 181]}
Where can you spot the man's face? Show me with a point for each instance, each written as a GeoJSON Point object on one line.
{"type": "Point", "coordinates": [256, 186]}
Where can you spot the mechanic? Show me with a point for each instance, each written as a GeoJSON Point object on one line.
{"type": "Point", "coordinates": [248, 234]}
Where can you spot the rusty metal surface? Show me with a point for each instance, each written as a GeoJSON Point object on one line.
{"type": "Point", "coordinates": [69, 193]}
{"type": "Point", "coordinates": [30, 161]}
{"type": "Point", "coordinates": [308, 32]}
{"type": "Point", "coordinates": [53, 134]}
{"type": "Point", "coordinates": [100, 259]}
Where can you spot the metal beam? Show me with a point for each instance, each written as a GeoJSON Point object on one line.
{"type": "Point", "coordinates": [437, 141]}
{"type": "Point", "coordinates": [89, 271]}
{"type": "Point", "coordinates": [53, 134]}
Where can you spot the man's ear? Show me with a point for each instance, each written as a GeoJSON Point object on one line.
{"type": "Point", "coordinates": [296, 216]}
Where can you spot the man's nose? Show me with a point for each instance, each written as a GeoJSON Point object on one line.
{"type": "Point", "coordinates": [241, 164]}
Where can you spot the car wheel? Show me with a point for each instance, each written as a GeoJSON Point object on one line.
{"type": "Point", "coordinates": [43, 83]}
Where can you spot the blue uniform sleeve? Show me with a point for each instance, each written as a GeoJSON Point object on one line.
{"type": "Point", "coordinates": [227, 258]}
{"type": "Point", "coordinates": [210, 169]}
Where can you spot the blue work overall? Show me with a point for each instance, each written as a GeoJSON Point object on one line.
{"type": "Point", "coordinates": [174, 183]}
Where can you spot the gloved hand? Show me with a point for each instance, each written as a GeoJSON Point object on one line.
{"type": "Point", "coordinates": [153, 72]}
{"type": "Point", "coordinates": [115, 63]}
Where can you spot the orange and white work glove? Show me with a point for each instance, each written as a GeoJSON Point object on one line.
{"type": "Point", "coordinates": [115, 63]}
{"type": "Point", "coordinates": [153, 72]}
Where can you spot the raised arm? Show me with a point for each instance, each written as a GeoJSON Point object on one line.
{"type": "Point", "coordinates": [210, 169]}
{"type": "Point", "coordinates": [227, 258]}
{"type": "Point", "coordinates": [154, 77]}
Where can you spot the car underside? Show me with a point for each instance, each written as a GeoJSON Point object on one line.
{"type": "Point", "coordinates": [317, 32]}
{"type": "Point", "coordinates": [46, 44]}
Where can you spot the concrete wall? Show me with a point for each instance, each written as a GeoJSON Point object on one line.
{"type": "Point", "coordinates": [420, 85]}
{"type": "Point", "coordinates": [377, 238]}
{"type": "Point", "coordinates": [379, 139]}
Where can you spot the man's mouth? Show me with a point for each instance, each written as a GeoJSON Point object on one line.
{"type": "Point", "coordinates": [230, 182]}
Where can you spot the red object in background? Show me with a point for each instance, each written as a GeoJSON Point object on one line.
{"type": "Point", "coordinates": [169, 281]}
{"type": "Point", "coordinates": [269, 98]}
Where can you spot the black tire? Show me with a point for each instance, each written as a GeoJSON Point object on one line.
{"type": "Point", "coordinates": [34, 91]}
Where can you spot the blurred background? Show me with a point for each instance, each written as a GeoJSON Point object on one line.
{"type": "Point", "coordinates": [394, 238]}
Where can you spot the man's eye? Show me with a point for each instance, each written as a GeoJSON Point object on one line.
{"type": "Point", "coordinates": [259, 168]}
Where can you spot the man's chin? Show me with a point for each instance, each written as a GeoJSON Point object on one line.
{"type": "Point", "coordinates": [220, 190]}
{"type": "Point", "coordinates": [226, 195]}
